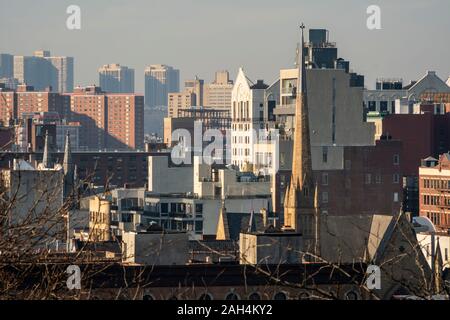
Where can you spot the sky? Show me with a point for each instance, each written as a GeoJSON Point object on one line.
{"type": "Point", "coordinates": [200, 37]}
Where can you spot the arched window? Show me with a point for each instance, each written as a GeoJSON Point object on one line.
{"type": "Point", "coordinates": [303, 296]}
{"type": "Point", "coordinates": [351, 295]}
{"type": "Point", "coordinates": [280, 296]}
{"type": "Point", "coordinates": [231, 296]}
{"type": "Point", "coordinates": [205, 297]}
{"type": "Point", "coordinates": [148, 297]}
{"type": "Point", "coordinates": [254, 296]}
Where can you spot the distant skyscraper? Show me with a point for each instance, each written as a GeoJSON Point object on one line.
{"type": "Point", "coordinates": [160, 80]}
{"type": "Point", "coordinates": [63, 80]}
{"type": "Point", "coordinates": [42, 71]}
{"type": "Point", "coordinates": [115, 78]}
{"type": "Point", "coordinates": [195, 86]}
{"type": "Point", "coordinates": [6, 65]}
{"type": "Point", "coordinates": [33, 71]}
{"type": "Point", "coordinates": [218, 93]}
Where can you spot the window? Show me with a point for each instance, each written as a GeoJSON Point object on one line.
{"type": "Point", "coordinates": [351, 295]}
{"type": "Point", "coordinates": [396, 159]}
{"type": "Point", "coordinates": [199, 207]}
{"type": "Point", "coordinates": [303, 296]}
{"type": "Point", "coordinates": [205, 296]}
{"type": "Point", "coordinates": [324, 179]}
{"type": "Point", "coordinates": [378, 179]}
{"type": "Point", "coordinates": [446, 254]}
{"type": "Point", "coordinates": [324, 154]}
{"type": "Point", "coordinates": [396, 178]}
{"type": "Point", "coordinates": [348, 164]}
{"type": "Point", "coordinates": [198, 226]}
{"type": "Point", "coordinates": [383, 106]}
{"type": "Point", "coordinates": [325, 197]}
{"type": "Point", "coordinates": [232, 296]}
{"type": "Point", "coordinates": [367, 178]}
{"type": "Point", "coordinates": [395, 196]}
{"type": "Point", "coordinates": [372, 106]}
{"type": "Point", "coordinates": [254, 296]}
{"type": "Point", "coordinates": [280, 296]}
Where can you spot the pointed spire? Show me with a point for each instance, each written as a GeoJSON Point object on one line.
{"type": "Point", "coordinates": [67, 163]}
{"type": "Point", "coordinates": [438, 266]}
{"type": "Point", "coordinates": [302, 68]}
{"type": "Point", "coordinates": [299, 195]}
{"type": "Point", "coordinates": [46, 158]}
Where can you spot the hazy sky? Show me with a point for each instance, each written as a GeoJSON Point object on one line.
{"type": "Point", "coordinates": [202, 36]}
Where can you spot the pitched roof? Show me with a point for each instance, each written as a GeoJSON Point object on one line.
{"type": "Point", "coordinates": [352, 238]}
{"type": "Point", "coordinates": [244, 222]}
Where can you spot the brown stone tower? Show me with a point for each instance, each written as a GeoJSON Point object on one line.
{"type": "Point", "coordinates": [301, 212]}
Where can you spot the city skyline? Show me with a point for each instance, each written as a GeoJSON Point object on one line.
{"type": "Point", "coordinates": [160, 31]}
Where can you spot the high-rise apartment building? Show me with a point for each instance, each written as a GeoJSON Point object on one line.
{"type": "Point", "coordinates": [125, 121]}
{"type": "Point", "coordinates": [160, 80]}
{"type": "Point", "coordinates": [6, 65]}
{"type": "Point", "coordinates": [29, 100]}
{"type": "Point", "coordinates": [13, 104]}
{"type": "Point", "coordinates": [33, 71]}
{"type": "Point", "coordinates": [217, 94]}
{"type": "Point", "coordinates": [115, 78]}
{"type": "Point", "coordinates": [180, 100]}
{"type": "Point", "coordinates": [43, 71]}
{"type": "Point", "coordinates": [63, 67]}
{"type": "Point", "coordinates": [109, 121]}
{"type": "Point", "coordinates": [8, 106]}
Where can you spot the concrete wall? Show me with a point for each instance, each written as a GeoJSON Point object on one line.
{"type": "Point", "coordinates": [270, 248]}
{"type": "Point", "coordinates": [155, 248]}
{"type": "Point", "coordinates": [165, 179]}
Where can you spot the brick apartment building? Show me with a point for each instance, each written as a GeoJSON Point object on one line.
{"type": "Point", "coordinates": [434, 190]}
{"type": "Point", "coordinates": [100, 168]}
{"type": "Point", "coordinates": [369, 182]}
{"type": "Point", "coordinates": [109, 120]}
{"type": "Point", "coordinates": [432, 139]}
{"type": "Point", "coordinates": [13, 104]}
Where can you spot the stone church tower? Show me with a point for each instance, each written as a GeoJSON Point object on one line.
{"type": "Point", "coordinates": [301, 212]}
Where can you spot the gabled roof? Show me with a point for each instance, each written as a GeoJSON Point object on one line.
{"type": "Point", "coordinates": [433, 79]}
{"type": "Point", "coordinates": [244, 222]}
{"type": "Point", "coordinates": [352, 238]}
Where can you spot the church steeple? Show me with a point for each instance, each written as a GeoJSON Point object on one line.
{"type": "Point", "coordinates": [46, 158]}
{"type": "Point", "coordinates": [300, 208]}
